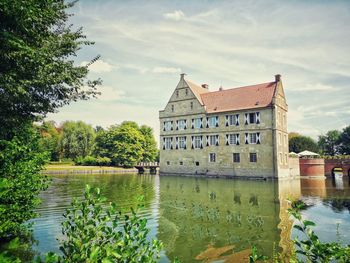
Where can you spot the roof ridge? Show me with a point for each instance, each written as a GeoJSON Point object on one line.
{"type": "Point", "coordinates": [249, 86]}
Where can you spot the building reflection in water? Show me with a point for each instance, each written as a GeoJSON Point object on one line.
{"type": "Point", "coordinates": [216, 219]}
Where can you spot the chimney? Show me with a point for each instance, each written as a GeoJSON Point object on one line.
{"type": "Point", "coordinates": [277, 77]}
{"type": "Point", "coordinates": [182, 75]}
{"type": "Point", "coordinates": [205, 86]}
{"type": "Point", "coordinates": [221, 89]}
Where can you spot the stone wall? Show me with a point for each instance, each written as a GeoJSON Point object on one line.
{"type": "Point", "coordinates": [312, 167]}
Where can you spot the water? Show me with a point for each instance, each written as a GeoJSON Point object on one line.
{"type": "Point", "coordinates": [206, 218]}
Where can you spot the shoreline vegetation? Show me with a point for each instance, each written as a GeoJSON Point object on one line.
{"type": "Point", "coordinates": [77, 169]}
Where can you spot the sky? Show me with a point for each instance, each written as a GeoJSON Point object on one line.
{"type": "Point", "coordinates": [145, 45]}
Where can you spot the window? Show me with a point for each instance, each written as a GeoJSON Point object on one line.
{"type": "Point", "coordinates": [191, 105]}
{"type": "Point", "coordinates": [197, 123]}
{"type": "Point", "coordinates": [168, 126]}
{"type": "Point", "coordinates": [181, 163]}
{"type": "Point", "coordinates": [212, 122]}
{"type": "Point", "coordinates": [181, 124]}
{"type": "Point", "coordinates": [212, 140]}
{"type": "Point", "coordinates": [197, 142]}
{"type": "Point", "coordinates": [172, 108]}
{"type": "Point", "coordinates": [285, 139]}
{"type": "Point", "coordinates": [197, 163]}
{"type": "Point", "coordinates": [168, 163]}
{"type": "Point", "coordinates": [236, 158]}
{"type": "Point", "coordinates": [286, 158]}
{"type": "Point", "coordinates": [212, 157]}
{"type": "Point", "coordinates": [182, 142]}
{"type": "Point", "coordinates": [251, 118]}
{"type": "Point", "coordinates": [253, 157]}
{"type": "Point", "coordinates": [168, 143]}
{"type": "Point", "coordinates": [233, 139]}
{"type": "Point", "coordinates": [252, 138]}
{"type": "Point", "coordinates": [281, 160]}
{"type": "Point", "coordinates": [232, 120]}
{"type": "Point", "coordinates": [279, 138]}
{"type": "Point", "coordinates": [186, 92]}
{"type": "Point", "coordinates": [177, 94]}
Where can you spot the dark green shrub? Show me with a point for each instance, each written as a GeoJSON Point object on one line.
{"type": "Point", "coordinates": [103, 161]}
{"type": "Point", "coordinates": [98, 234]}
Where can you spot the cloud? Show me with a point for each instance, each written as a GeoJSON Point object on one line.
{"type": "Point", "coordinates": [166, 70]}
{"type": "Point", "coordinates": [176, 15]}
{"type": "Point", "coordinates": [109, 93]}
{"type": "Point", "coordinates": [99, 66]}
{"type": "Point", "coordinates": [313, 87]}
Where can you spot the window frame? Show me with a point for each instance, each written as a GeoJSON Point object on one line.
{"type": "Point", "coordinates": [234, 159]}
{"type": "Point", "coordinates": [212, 160]}
{"type": "Point", "coordinates": [253, 157]}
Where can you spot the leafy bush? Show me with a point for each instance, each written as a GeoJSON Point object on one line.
{"type": "Point", "coordinates": [97, 234]}
{"type": "Point", "coordinates": [104, 161]}
{"type": "Point", "coordinates": [311, 247]}
{"type": "Point", "coordinates": [93, 161]}
{"type": "Point", "coordinates": [21, 161]}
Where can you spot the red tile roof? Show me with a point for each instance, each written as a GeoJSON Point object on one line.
{"type": "Point", "coordinates": [197, 90]}
{"type": "Point", "coordinates": [249, 97]}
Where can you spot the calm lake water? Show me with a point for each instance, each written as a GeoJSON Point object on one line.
{"type": "Point", "coordinates": [206, 218]}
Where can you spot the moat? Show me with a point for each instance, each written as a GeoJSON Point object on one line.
{"type": "Point", "coordinates": [207, 218]}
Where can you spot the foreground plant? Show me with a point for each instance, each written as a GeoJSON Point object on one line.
{"type": "Point", "coordinates": [311, 246]}
{"type": "Point", "coordinates": [95, 233]}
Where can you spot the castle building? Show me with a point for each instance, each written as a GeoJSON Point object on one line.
{"type": "Point", "coordinates": [236, 132]}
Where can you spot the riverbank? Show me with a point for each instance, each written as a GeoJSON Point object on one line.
{"type": "Point", "coordinates": [75, 169]}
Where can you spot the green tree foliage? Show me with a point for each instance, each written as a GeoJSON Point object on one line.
{"type": "Point", "coordinates": [98, 234]}
{"type": "Point", "coordinates": [123, 144]}
{"type": "Point", "coordinates": [49, 139]}
{"type": "Point", "coordinates": [345, 141]}
{"type": "Point", "coordinates": [329, 143]}
{"type": "Point", "coordinates": [77, 139]}
{"type": "Point", "coordinates": [126, 144]}
{"type": "Point", "coordinates": [38, 73]}
{"type": "Point", "coordinates": [150, 144]}
{"type": "Point", "coordinates": [301, 143]}
{"type": "Point", "coordinates": [21, 161]}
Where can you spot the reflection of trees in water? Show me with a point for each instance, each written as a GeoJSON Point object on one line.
{"type": "Point", "coordinates": [338, 204]}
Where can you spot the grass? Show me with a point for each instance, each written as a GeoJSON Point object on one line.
{"type": "Point", "coordinates": [72, 168]}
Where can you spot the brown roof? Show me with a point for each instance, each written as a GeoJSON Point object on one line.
{"type": "Point", "coordinates": [197, 90]}
{"type": "Point", "coordinates": [249, 97]}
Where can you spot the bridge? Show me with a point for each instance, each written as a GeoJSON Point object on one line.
{"type": "Point", "coordinates": [151, 166]}
{"type": "Point", "coordinates": [331, 164]}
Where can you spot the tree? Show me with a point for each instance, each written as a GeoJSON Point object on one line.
{"type": "Point", "coordinates": [21, 160]}
{"type": "Point", "coordinates": [301, 143]}
{"type": "Point", "coordinates": [123, 144]}
{"type": "Point", "coordinates": [150, 144]}
{"type": "Point", "coordinates": [127, 142]}
{"type": "Point", "coordinates": [292, 135]}
{"type": "Point", "coordinates": [49, 139]}
{"type": "Point", "coordinates": [38, 73]}
{"type": "Point", "coordinates": [77, 139]}
{"type": "Point", "coordinates": [345, 141]}
{"type": "Point", "coordinates": [329, 143]}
